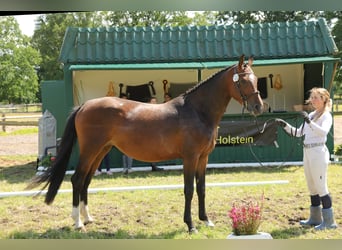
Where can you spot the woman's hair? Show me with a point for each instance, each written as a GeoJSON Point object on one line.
{"type": "Point", "coordinates": [325, 95]}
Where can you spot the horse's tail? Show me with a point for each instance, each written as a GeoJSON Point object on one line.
{"type": "Point", "coordinates": [54, 175]}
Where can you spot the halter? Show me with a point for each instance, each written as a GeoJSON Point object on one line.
{"type": "Point", "coordinates": [236, 80]}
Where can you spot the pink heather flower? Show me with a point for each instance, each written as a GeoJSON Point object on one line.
{"type": "Point", "coordinates": [246, 217]}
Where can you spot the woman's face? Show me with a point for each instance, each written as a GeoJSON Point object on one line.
{"type": "Point", "coordinates": [317, 101]}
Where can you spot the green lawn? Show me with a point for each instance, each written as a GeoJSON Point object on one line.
{"type": "Point", "coordinates": [158, 214]}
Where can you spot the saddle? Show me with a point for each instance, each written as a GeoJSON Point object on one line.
{"type": "Point", "coordinates": [140, 93]}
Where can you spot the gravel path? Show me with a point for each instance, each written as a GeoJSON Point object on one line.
{"type": "Point", "coordinates": [18, 144]}
{"type": "Point", "coordinates": [28, 144]}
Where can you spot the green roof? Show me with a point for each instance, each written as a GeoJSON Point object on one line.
{"type": "Point", "coordinates": [176, 45]}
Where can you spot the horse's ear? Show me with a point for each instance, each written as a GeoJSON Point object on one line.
{"type": "Point", "coordinates": [250, 61]}
{"type": "Point", "coordinates": [241, 61]}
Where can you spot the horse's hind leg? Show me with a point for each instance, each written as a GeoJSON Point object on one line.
{"type": "Point", "coordinates": [78, 180]}
{"type": "Point", "coordinates": [84, 210]}
{"type": "Point", "coordinates": [200, 189]}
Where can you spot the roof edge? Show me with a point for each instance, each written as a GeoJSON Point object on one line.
{"type": "Point", "coordinates": [329, 40]}
{"type": "Point", "coordinates": [195, 65]}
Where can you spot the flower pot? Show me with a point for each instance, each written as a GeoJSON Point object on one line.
{"type": "Point", "coordinates": [259, 235]}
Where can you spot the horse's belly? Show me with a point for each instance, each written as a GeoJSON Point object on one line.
{"type": "Point", "coordinates": [149, 151]}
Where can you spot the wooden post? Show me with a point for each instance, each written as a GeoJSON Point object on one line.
{"type": "Point", "coordinates": [3, 119]}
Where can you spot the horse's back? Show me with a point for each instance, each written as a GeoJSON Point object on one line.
{"type": "Point", "coordinates": [133, 127]}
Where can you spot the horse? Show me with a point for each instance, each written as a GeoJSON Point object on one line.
{"type": "Point", "coordinates": [182, 128]}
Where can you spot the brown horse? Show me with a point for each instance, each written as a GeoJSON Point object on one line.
{"type": "Point", "coordinates": [185, 128]}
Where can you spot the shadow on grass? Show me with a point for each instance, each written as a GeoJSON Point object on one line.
{"type": "Point", "coordinates": [289, 233]}
{"type": "Point", "coordinates": [212, 170]}
{"type": "Point", "coordinates": [70, 233]}
{"type": "Point", "coordinates": [20, 173]}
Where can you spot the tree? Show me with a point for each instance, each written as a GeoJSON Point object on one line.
{"type": "Point", "coordinates": [48, 38]}
{"type": "Point", "coordinates": [229, 17]}
{"type": "Point", "coordinates": [147, 18]}
{"type": "Point", "coordinates": [51, 28]}
{"type": "Point", "coordinates": [203, 18]}
{"type": "Point", "coordinates": [18, 78]}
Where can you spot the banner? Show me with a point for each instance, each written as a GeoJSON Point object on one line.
{"type": "Point", "coordinates": [245, 133]}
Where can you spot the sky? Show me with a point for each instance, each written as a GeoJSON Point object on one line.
{"type": "Point", "coordinates": [26, 23]}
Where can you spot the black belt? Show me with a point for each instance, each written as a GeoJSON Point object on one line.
{"type": "Point", "coordinates": [312, 145]}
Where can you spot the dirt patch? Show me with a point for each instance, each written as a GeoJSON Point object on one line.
{"type": "Point", "coordinates": [18, 144]}
{"type": "Point", "coordinates": [28, 144]}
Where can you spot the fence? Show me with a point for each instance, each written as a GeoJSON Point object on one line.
{"type": "Point", "coordinates": [29, 120]}
{"type": "Point", "coordinates": [21, 108]}
{"type": "Point", "coordinates": [24, 115]}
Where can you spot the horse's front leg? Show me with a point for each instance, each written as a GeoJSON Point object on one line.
{"type": "Point", "coordinates": [189, 175]}
{"type": "Point", "coordinates": [188, 193]}
{"type": "Point", "coordinates": [200, 189]}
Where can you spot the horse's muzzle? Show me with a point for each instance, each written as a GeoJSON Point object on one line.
{"type": "Point", "coordinates": [256, 109]}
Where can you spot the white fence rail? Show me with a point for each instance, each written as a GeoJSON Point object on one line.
{"type": "Point", "coordinates": [30, 120]}
{"type": "Point", "coordinates": [19, 115]}
{"type": "Point", "coordinates": [21, 108]}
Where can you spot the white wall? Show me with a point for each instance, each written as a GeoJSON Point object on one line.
{"type": "Point", "coordinates": [94, 83]}
{"type": "Point", "coordinates": [292, 91]}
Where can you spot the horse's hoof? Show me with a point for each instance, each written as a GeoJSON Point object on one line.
{"type": "Point", "coordinates": [81, 229]}
{"type": "Point", "coordinates": [88, 222]}
{"type": "Point", "coordinates": [209, 223]}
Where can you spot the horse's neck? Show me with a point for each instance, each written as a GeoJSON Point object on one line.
{"type": "Point", "coordinates": [211, 99]}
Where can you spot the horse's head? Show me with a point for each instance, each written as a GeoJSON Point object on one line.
{"type": "Point", "coordinates": [246, 90]}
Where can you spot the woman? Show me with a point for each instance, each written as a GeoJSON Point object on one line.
{"type": "Point", "coordinates": [316, 157]}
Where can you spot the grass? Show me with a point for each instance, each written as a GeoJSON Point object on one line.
{"type": "Point", "coordinates": [23, 131]}
{"type": "Point", "coordinates": [158, 214]}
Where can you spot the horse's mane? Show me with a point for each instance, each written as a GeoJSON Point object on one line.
{"type": "Point", "coordinates": [203, 82]}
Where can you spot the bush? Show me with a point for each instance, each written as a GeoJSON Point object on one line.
{"type": "Point", "coordinates": [338, 150]}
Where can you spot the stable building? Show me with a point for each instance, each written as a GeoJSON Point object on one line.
{"type": "Point", "coordinates": [289, 59]}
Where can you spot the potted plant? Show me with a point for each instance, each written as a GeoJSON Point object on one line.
{"type": "Point", "coordinates": [246, 217]}
{"type": "Point", "coordinates": [46, 162]}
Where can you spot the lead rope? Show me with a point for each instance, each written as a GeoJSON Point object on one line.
{"type": "Point", "coordinates": [262, 131]}
{"type": "Point", "coordinates": [249, 145]}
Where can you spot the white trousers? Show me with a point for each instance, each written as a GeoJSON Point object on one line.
{"type": "Point", "coordinates": [316, 162]}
